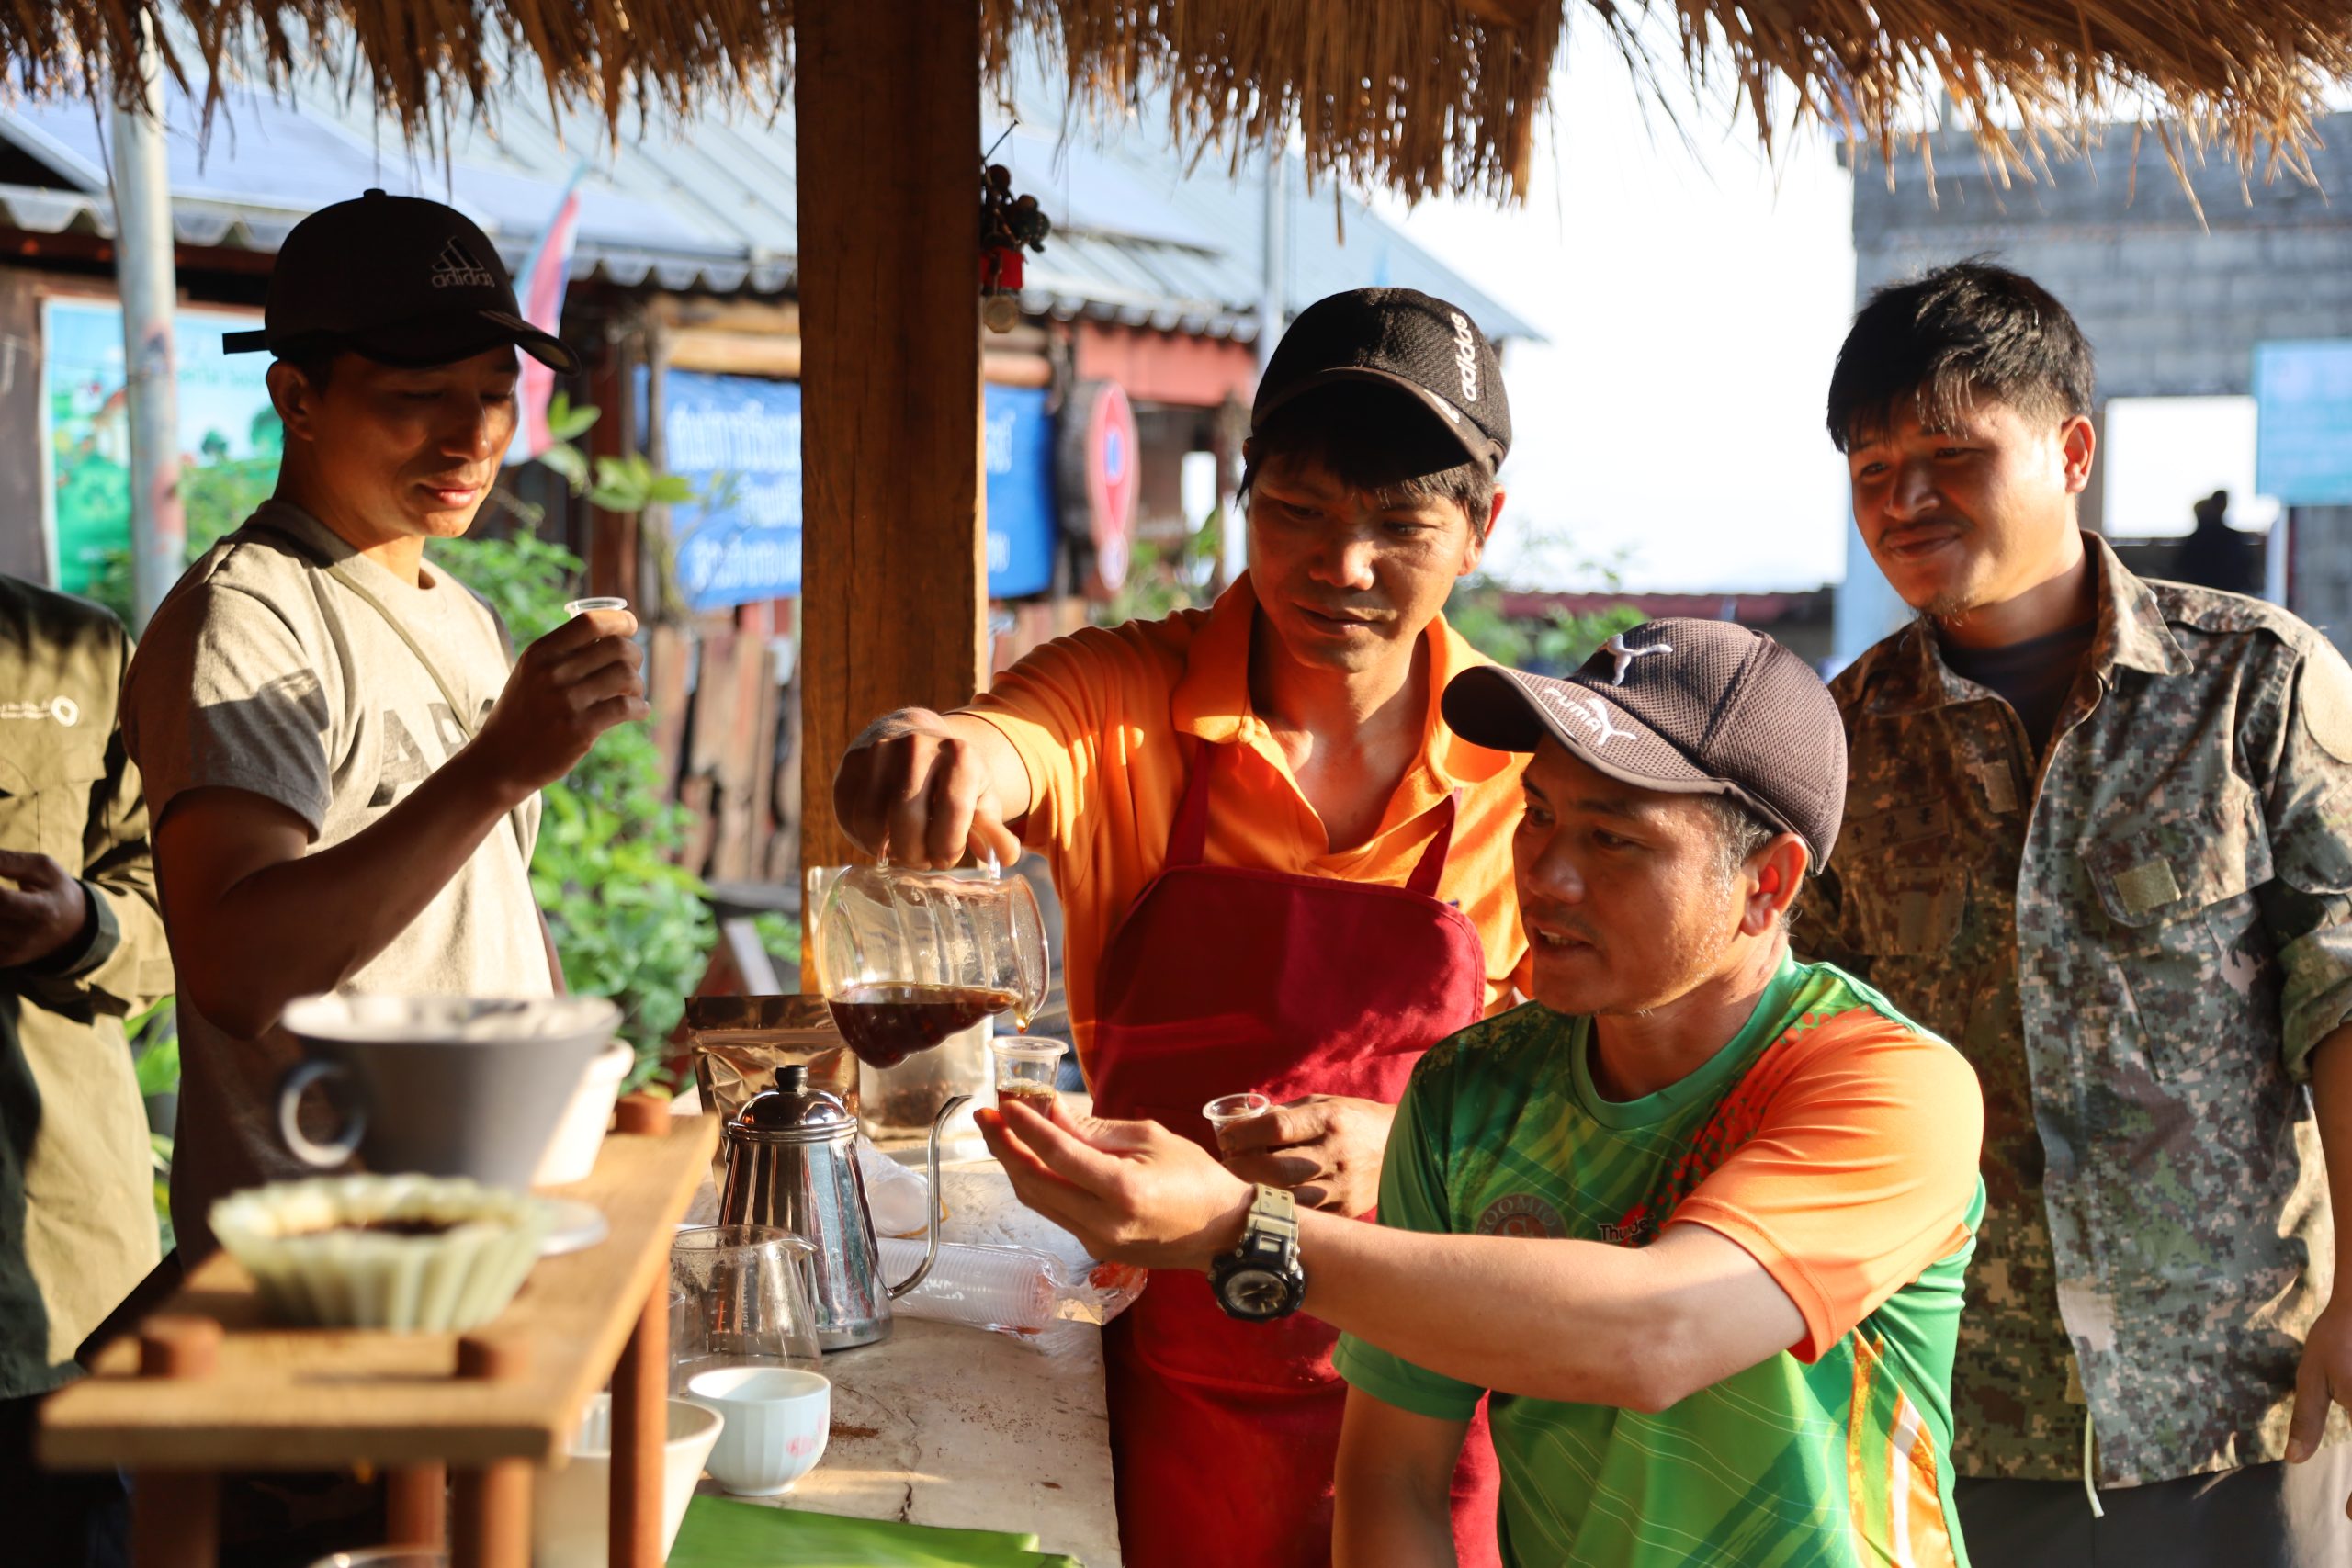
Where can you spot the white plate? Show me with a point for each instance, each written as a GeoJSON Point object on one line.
{"type": "Point", "coordinates": [578, 1225]}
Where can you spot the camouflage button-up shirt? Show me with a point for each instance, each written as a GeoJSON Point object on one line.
{"type": "Point", "coordinates": [2137, 946]}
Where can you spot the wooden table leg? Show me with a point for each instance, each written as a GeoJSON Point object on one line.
{"type": "Point", "coordinates": [490, 1516]}
{"type": "Point", "coordinates": [176, 1514]}
{"type": "Point", "coordinates": [416, 1505]}
{"type": "Point", "coordinates": [175, 1519]}
{"type": "Point", "coordinates": [490, 1512]}
{"type": "Point", "coordinates": [640, 1427]}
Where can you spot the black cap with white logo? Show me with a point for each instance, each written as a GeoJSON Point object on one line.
{"type": "Point", "coordinates": [397, 279]}
{"type": "Point", "coordinates": [1403, 338]}
{"type": "Point", "coordinates": [1689, 707]}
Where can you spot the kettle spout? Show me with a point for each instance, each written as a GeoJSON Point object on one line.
{"type": "Point", "coordinates": [931, 1231]}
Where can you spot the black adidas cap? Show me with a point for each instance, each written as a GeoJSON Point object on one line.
{"type": "Point", "coordinates": [1690, 707]}
{"type": "Point", "coordinates": [398, 280]}
{"type": "Point", "coordinates": [1403, 338]}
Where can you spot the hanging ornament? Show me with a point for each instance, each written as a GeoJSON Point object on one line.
{"type": "Point", "coordinates": [1007, 223]}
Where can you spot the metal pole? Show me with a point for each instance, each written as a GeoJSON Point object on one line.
{"type": "Point", "coordinates": [143, 256]}
{"type": "Point", "coordinates": [2277, 547]}
{"type": "Point", "coordinates": [1273, 314]}
{"type": "Point", "coordinates": [1274, 306]}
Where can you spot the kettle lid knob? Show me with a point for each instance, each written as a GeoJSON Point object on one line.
{"type": "Point", "coordinates": [795, 1110]}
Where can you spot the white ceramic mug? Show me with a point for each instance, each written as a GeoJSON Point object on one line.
{"type": "Point", "coordinates": [776, 1421]}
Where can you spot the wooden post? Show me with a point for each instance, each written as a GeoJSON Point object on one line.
{"type": "Point", "coordinates": [640, 1427]}
{"type": "Point", "coordinates": [894, 589]}
{"type": "Point", "coordinates": [490, 1503]}
{"type": "Point", "coordinates": [640, 1391]}
{"type": "Point", "coordinates": [176, 1514]}
{"type": "Point", "coordinates": [416, 1505]}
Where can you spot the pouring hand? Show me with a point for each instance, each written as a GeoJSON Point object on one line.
{"type": "Point", "coordinates": [1130, 1192]}
{"type": "Point", "coordinates": [1328, 1150]}
{"type": "Point", "coordinates": [922, 788]}
{"type": "Point", "coordinates": [565, 689]}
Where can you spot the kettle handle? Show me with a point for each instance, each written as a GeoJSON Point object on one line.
{"type": "Point", "coordinates": [931, 1230]}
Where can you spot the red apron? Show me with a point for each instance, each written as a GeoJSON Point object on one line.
{"type": "Point", "coordinates": [1224, 1435]}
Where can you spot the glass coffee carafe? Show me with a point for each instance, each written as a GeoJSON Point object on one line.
{"type": "Point", "coordinates": [908, 958]}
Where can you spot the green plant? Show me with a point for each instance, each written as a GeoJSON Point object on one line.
{"type": "Point", "coordinates": [1553, 642]}
{"type": "Point", "coordinates": [781, 935]}
{"type": "Point", "coordinates": [1161, 581]}
{"type": "Point", "coordinates": [629, 923]}
{"type": "Point", "coordinates": [154, 1037]}
{"type": "Point", "coordinates": [215, 499]}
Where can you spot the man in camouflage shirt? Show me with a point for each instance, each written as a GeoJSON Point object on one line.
{"type": "Point", "coordinates": [2098, 834]}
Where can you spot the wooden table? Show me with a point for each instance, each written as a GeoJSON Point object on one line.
{"type": "Point", "coordinates": [209, 1385]}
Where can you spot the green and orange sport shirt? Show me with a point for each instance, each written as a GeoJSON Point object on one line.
{"type": "Point", "coordinates": [1834, 1140]}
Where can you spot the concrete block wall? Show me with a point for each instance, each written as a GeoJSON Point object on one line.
{"type": "Point", "coordinates": [2173, 306]}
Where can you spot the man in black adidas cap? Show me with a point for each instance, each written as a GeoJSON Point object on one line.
{"type": "Point", "coordinates": [1696, 1217]}
{"type": "Point", "coordinates": [1284, 749]}
{"type": "Point", "coordinates": [341, 756]}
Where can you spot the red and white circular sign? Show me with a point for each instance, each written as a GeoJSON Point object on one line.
{"type": "Point", "coordinates": [1100, 475]}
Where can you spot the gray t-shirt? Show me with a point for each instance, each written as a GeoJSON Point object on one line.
{"type": "Point", "coordinates": [263, 672]}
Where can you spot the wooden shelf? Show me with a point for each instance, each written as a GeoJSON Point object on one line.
{"type": "Point", "coordinates": [311, 1399]}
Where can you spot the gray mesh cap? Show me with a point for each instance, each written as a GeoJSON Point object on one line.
{"type": "Point", "coordinates": [1689, 707]}
{"type": "Point", "coordinates": [1402, 338]}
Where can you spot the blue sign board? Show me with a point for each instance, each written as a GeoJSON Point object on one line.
{"type": "Point", "coordinates": [736, 438]}
{"type": "Point", "coordinates": [2302, 451]}
{"type": "Point", "coordinates": [1019, 451]}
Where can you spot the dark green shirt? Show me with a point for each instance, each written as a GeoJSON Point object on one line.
{"type": "Point", "coordinates": [77, 1208]}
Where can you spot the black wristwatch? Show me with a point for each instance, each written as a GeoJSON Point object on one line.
{"type": "Point", "coordinates": [1261, 1280]}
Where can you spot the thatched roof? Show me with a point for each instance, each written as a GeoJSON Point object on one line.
{"type": "Point", "coordinates": [1423, 95]}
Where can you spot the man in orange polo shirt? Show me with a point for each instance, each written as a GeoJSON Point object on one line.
{"type": "Point", "coordinates": [1280, 871]}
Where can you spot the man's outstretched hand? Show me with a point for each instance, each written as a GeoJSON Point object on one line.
{"type": "Point", "coordinates": [1130, 1192]}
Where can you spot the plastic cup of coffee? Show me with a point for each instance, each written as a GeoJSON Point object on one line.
{"type": "Point", "coordinates": [1025, 1070]}
{"type": "Point", "coordinates": [1232, 1110]}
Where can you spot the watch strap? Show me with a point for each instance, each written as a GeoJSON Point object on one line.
{"type": "Point", "coordinates": [1271, 1233]}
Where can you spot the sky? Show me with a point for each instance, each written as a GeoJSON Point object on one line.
{"type": "Point", "coordinates": [1694, 295]}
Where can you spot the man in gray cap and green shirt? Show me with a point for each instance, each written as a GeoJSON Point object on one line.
{"type": "Point", "coordinates": [343, 760]}
{"type": "Point", "coordinates": [1696, 1217]}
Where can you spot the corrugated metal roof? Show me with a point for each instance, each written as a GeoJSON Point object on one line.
{"type": "Point", "coordinates": [1143, 234]}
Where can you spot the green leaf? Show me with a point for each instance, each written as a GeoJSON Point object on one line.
{"type": "Point", "coordinates": [158, 1067]}
{"type": "Point", "coordinates": [566, 459]}
{"type": "Point", "coordinates": [567, 422]}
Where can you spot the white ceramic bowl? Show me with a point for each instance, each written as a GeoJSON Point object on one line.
{"type": "Point", "coordinates": [777, 1421]}
{"type": "Point", "coordinates": [571, 1508]}
{"type": "Point", "coordinates": [571, 1153]}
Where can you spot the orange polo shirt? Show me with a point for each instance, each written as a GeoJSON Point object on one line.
{"type": "Point", "coordinates": [1107, 721]}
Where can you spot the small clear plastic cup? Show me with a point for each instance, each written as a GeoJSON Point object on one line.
{"type": "Point", "coordinates": [1232, 1110]}
{"type": "Point", "coordinates": [601, 602]}
{"type": "Point", "coordinates": [1025, 1070]}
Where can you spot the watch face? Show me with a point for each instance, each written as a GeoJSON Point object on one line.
{"type": "Point", "coordinates": [1256, 1294]}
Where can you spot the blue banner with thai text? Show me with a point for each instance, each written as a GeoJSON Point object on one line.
{"type": "Point", "coordinates": [737, 440]}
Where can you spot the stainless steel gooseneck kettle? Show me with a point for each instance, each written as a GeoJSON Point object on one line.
{"type": "Point", "coordinates": [792, 1163]}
